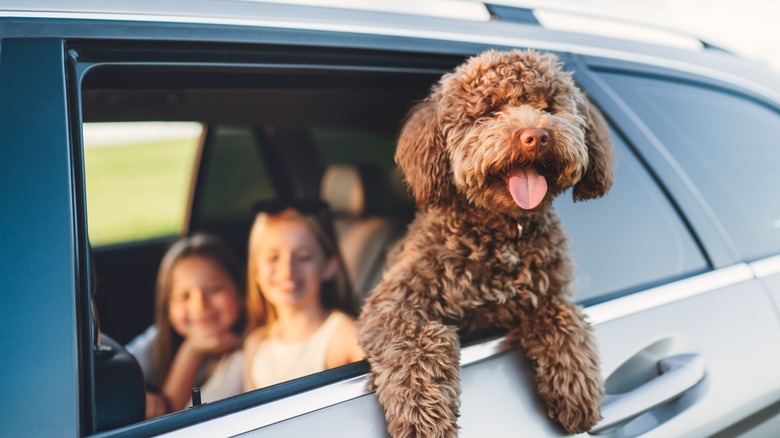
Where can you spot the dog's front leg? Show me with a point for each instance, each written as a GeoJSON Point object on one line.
{"type": "Point", "coordinates": [415, 368]}
{"type": "Point", "coordinates": [559, 342]}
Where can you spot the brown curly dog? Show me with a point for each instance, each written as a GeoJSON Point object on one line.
{"type": "Point", "coordinates": [484, 156]}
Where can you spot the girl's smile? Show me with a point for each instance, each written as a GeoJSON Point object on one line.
{"type": "Point", "coordinates": [291, 264]}
{"type": "Point", "coordinates": [203, 298]}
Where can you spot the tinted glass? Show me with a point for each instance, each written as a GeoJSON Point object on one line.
{"type": "Point", "coordinates": [234, 177]}
{"type": "Point", "coordinates": [628, 239]}
{"type": "Point", "coordinates": [349, 145]}
{"type": "Point", "coordinates": [372, 152]}
{"type": "Point", "coordinates": [728, 145]}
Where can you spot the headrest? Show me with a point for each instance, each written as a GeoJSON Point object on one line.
{"type": "Point", "coordinates": [365, 189]}
{"type": "Point", "coordinates": [342, 188]}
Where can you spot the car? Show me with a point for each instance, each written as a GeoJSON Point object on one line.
{"type": "Point", "coordinates": [217, 104]}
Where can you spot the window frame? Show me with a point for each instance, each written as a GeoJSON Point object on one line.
{"type": "Point", "coordinates": [85, 56]}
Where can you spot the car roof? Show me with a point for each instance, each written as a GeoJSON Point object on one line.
{"type": "Point", "coordinates": [471, 22]}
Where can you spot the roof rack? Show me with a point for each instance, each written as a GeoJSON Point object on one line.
{"type": "Point", "coordinates": [568, 17]}
{"type": "Point", "coordinates": [458, 9]}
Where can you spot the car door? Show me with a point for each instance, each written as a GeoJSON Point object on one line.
{"type": "Point", "coordinates": [714, 148]}
{"type": "Point", "coordinates": [687, 328]}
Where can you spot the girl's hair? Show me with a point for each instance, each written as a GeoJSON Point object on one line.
{"type": "Point", "coordinates": [201, 245]}
{"type": "Point", "coordinates": [334, 294]}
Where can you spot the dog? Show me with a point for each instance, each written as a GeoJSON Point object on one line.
{"type": "Point", "coordinates": [484, 155]}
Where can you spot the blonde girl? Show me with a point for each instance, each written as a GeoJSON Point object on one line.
{"type": "Point", "coordinates": [301, 310]}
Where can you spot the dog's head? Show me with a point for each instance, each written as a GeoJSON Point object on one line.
{"type": "Point", "coordinates": [508, 131]}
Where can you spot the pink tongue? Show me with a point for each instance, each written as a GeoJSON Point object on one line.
{"type": "Point", "coordinates": [527, 187]}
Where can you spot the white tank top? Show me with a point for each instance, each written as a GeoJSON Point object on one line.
{"type": "Point", "coordinates": [275, 361]}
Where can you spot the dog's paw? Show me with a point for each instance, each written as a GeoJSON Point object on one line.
{"type": "Point", "coordinates": [418, 430]}
{"type": "Point", "coordinates": [578, 419]}
{"type": "Point", "coordinates": [578, 412]}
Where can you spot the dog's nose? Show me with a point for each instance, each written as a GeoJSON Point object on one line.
{"type": "Point", "coordinates": [535, 138]}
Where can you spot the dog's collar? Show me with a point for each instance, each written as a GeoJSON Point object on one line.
{"type": "Point", "coordinates": [481, 218]}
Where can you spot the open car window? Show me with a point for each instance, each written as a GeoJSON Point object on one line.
{"type": "Point", "coordinates": [176, 149]}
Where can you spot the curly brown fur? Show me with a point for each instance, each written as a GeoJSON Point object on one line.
{"type": "Point", "coordinates": [465, 265]}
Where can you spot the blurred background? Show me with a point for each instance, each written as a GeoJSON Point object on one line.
{"type": "Point", "coordinates": [748, 27]}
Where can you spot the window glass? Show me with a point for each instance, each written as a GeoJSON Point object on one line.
{"type": "Point", "coordinates": [729, 146]}
{"type": "Point", "coordinates": [630, 238]}
{"type": "Point", "coordinates": [354, 145]}
{"type": "Point", "coordinates": [138, 178]}
{"type": "Point", "coordinates": [234, 177]}
{"type": "Point", "coordinates": [373, 153]}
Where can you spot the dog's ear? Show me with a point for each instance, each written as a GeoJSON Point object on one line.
{"type": "Point", "coordinates": [421, 154]}
{"type": "Point", "coordinates": [597, 179]}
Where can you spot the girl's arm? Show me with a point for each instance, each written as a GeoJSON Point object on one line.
{"type": "Point", "coordinates": [183, 373]}
{"type": "Point", "coordinates": [250, 347]}
{"type": "Point", "coordinates": [155, 405]}
{"type": "Point", "coordinates": [344, 347]}
{"type": "Point", "coordinates": [181, 376]}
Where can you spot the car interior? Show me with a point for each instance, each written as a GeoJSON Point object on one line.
{"type": "Point", "coordinates": [279, 132]}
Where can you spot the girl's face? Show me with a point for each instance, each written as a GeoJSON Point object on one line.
{"type": "Point", "coordinates": [291, 264]}
{"type": "Point", "coordinates": [204, 299]}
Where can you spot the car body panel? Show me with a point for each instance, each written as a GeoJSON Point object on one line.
{"type": "Point", "coordinates": [499, 396]}
{"type": "Point", "coordinates": [40, 362]}
{"type": "Point", "coordinates": [768, 271]}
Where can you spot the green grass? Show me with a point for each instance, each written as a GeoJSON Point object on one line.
{"type": "Point", "coordinates": [138, 191]}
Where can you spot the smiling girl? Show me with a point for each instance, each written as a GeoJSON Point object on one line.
{"type": "Point", "coordinates": [199, 319]}
{"type": "Point", "coordinates": [300, 306]}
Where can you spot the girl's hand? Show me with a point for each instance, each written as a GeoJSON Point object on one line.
{"type": "Point", "coordinates": [184, 369]}
{"type": "Point", "coordinates": [205, 343]}
{"type": "Point", "coordinates": [156, 405]}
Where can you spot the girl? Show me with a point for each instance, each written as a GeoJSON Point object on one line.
{"type": "Point", "coordinates": [301, 310]}
{"type": "Point", "coordinates": [200, 316]}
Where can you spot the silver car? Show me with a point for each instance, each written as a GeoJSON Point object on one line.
{"type": "Point", "coordinates": [678, 268]}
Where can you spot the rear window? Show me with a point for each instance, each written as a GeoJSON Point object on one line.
{"type": "Point", "coordinates": [728, 145]}
{"type": "Point", "coordinates": [138, 178]}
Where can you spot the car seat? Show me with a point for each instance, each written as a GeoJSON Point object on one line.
{"type": "Point", "coordinates": [120, 395]}
{"type": "Point", "coordinates": [371, 211]}
{"type": "Point", "coordinates": [120, 391]}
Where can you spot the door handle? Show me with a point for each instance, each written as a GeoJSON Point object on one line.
{"type": "Point", "coordinates": [677, 374]}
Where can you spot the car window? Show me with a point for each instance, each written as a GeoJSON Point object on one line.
{"type": "Point", "coordinates": [348, 145]}
{"type": "Point", "coordinates": [138, 178]}
{"type": "Point", "coordinates": [727, 145]}
{"type": "Point", "coordinates": [234, 176]}
{"type": "Point", "coordinates": [265, 135]}
{"type": "Point", "coordinates": [629, 239]}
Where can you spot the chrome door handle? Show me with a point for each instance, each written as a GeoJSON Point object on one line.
{"type": "Point", "coordinates": [677, 374]}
